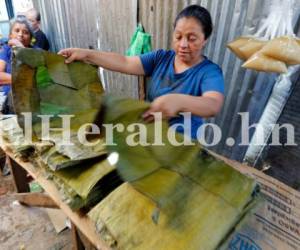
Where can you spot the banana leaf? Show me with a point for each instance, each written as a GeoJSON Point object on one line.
{"type": "Point", "coordinates": [43, 78]}
{"type": "Point", "coordinates": [31, 57]}
{"type": "Point", "coordinates": [84, 185]}
{"type": "Point", "coordinates": [128, 111]}
{"type": "Point", "coordinates": [192, 199]}
{"type": "Point", "coordinates": [138, 161]}
{"type": "Point", "coordinates": [44, 84]}
{"type": "Point", "coordinates": [62, 156]}
{"type": "Point", "coordinates": [204, 223]}
{"type": "Point", "coordinates": [58, 70]}
{"type": "Point", "coordinates": [13, 136]}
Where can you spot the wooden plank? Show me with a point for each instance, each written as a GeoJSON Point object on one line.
{"type": "Point", "coordinates": [58, 219]}
{"type": "Point", "coordinates": [85, 225]}
{"type": "Point", "coordinates": [2, 160]}
{"type": "Point", "coordinates": [36, 200]}
{"type": "Point", "coordinates": [76, 241]}
{"type": "Point", "coordinates": [19, 176]}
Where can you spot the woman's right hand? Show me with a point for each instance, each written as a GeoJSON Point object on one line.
{"type": "Point", "coordinates": [73, 54]}
{"type": "Point", "coordinates": [15, 43]}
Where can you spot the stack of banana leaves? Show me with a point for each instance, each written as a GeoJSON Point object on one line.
{"type": "Point", "coordinates": [44, 85]}
{"type": "Point", "coordinates": [175, 197]}
{"type": "Point", "coordinates": [13, 136]}
{"type": "Point", "coordinates": [167, 197]}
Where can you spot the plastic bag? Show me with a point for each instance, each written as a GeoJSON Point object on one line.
{"type": "Point", "coordinates": [251, 47]}
{"type": "Point", "coordinates": [140, 42]}
{"type": "Point", "coordinates": [278, 24]}
{"type": "Point", "coordinates": [261, 62]}
{"type": "Point", "coordinates": [276, 46]}
{"type": "Point", "coordinates": [245, 47]}
{"type": "Point", "coordinates": [284, 48]}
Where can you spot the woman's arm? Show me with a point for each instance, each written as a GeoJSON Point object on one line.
{"type": "Point", "coordinates": [5, 78]}
{"type": "Point", "coordinates": [207, 105]}
{"type": "Point", "coordinates": [112, 61]}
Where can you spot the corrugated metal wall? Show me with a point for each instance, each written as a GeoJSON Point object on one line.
{"type": "Point", "coordinates": [118, 20]}
{"type": "Point", "coordinates": [72, 23]}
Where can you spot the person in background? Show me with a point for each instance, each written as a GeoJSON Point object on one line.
{"type": "Point", "coordinates": [34, 17]}
{"type": "Point", "coordinates": [182, 79]}
{"type": "Point", "coordinates": [20, 35]}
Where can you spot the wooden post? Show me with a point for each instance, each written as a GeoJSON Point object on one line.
{"type": "Point", "coordinates": [19, 176]}
{"type": "Point", "coordinates": [76, 241]}
{"type": "Point", "coordinates": [35, 200]}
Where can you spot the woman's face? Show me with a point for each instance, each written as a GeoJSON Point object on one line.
{"type": "Point", "coordinates": [21, 33]}
{"type": "Point", "coordinates": [188, 40]}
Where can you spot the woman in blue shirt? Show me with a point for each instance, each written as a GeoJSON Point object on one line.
{"type": "Point", "coordinates": [20, 35]}
{"type": "Point", "coordinates": [182, 79]}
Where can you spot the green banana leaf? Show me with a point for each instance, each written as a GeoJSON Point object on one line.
{"type": "Point", "coordinates": [84, 185]}
{"type": "Point", "coordinates": [62, 156]}
{"type": "Point", "coordinates": [13, 136]}
{"type": "Point", "coordinates": [204, 223]}
{"type": "Point", "coordinates": [44, 84]}
{"type": "Point", "coordinates": [43, 78]}
{"type": "Point", "coordinates": [175, 198]}
{"type": "Point", "coordinates": [192, 199]}
{"type": "Point", "coordinates": [31, 57]}
{"type": "Point", "coordinates": [58, 70]}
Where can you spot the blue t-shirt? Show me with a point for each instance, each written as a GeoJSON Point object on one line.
{"type": "Point", "coordinates": [5, 55]}
{"type": "Point", "coordinates": [200, 78]}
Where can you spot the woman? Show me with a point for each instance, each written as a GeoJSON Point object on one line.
{"type": "Point", "coordinates": [182, 79]}
{"type": "Point", "coordinates": [20, 35]}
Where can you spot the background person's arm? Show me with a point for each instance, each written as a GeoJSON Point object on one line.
{"type": "Point", "coordinates": [5, 78]}
{"type": "Point", "coordinates": [112, 61]}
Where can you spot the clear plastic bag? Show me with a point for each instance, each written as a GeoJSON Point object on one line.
{"type": "Point", "coordinates": [274, 46]}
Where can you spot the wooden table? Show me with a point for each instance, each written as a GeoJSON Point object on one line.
{"type": "Point", "coordinates": [20, 169]}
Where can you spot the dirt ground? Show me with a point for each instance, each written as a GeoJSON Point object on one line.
{"type": "Point", "coordinates": [27, 228]}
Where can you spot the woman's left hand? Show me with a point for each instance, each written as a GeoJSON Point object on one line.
{"type": "Point", "coordinates": [168, 105]}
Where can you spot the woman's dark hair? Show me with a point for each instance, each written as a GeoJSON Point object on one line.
{"type": "Point", "coordinates": [200, 14]}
